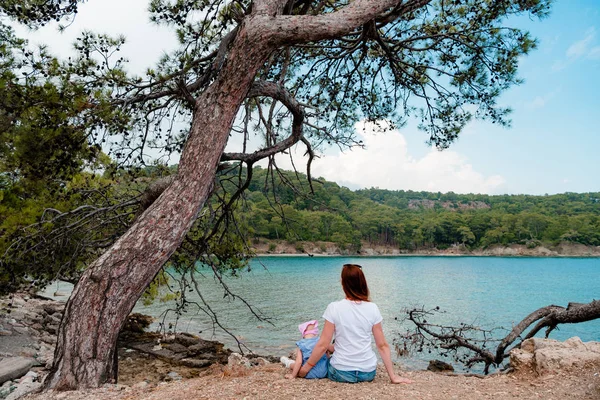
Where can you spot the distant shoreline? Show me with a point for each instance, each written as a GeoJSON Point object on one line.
{"type": "Point", "coordinates": [267, 248]}
{"type": "Point", "coordinates": [423, 255]}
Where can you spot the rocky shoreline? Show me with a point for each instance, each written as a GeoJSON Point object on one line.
{"type": "Point", "coordinates": [28, 328]}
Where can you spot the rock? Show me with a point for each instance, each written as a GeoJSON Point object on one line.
{"type": "Point", "coordinates": [21, 330]}
{"type": "Point", "coordinates": [34, 318]}
{"type": "Point", "coordinates": [439, 366]}
{"type": "Point", "coordinates": [52, 307]}
{"type": "Point", "coordinates": [200, 348]}
{"type": "Point", "coordinates": [18, 302]}
{"type": "Point", "coordinates": [46, 338]}
{"type": "Point", "coordinates": [195, 363]}
{"type": "Point", "coordinates": [52, 329]}
{"type": "Point", "coordinates": [173, 376]}
{"type": "Point", "coordinates": [24, 389]}
{"type": "Point", "coordinates": [260, 361]}
{"type": "Point", "coordinates": [4, 332]}
{"type": "Point", "coordinates": [6, 389]}
{"type": "Point", "coordinates": [57, 316]}
{"type": "Point", "coordinates": [52, 320]}
{"type": "Point", "coordinates": [546, 355]}
{"type": "Point", "coordinates": [158, 347]}
{"type": "Point", "coordinates": [176, 347]}
{"type": "Point", "coordinates": [237, 359]}
{"type": "Point", "coordinates": [137, 323]}
{"type": "Point", "coordinates": [141, 385]}
{"type": "Point", "coordinates": [27, 353]}
{"type": "Point", "coordinates": [186, 339]}
{"type": "Point", "coordinates": [14, 367]}
{"type": "Point", "coordinates": [168, 339]}
{"type": "Point", "coordinates": [31, 376]}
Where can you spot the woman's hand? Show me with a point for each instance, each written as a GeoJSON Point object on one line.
{"type": "Point", "coordinates": [399, 379]}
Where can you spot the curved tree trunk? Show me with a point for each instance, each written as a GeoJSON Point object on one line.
{"type": "Point", "coordinates": [85, 353]}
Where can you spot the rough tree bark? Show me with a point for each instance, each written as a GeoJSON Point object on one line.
{"type": "Point", "coordinates": [85, 354]}
{"type": "Point", "coordinates": [107, 292]}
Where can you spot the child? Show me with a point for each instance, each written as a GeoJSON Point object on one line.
{"type": "Point", "coordinates": [310, 337]}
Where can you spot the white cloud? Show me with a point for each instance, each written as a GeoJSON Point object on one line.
{"type": "Point", "coordinates": [540, 101]}
{"type": "Point", "coordinates": [580, 47]}
{"type": "Point", "coordinates": [594, 53]}
{"type": "Point", "coordinates": [559, 65]}
{"type": "Point", "coordinates": [145, 41]}
{"type": "Point", "coordinates": [387, 164]}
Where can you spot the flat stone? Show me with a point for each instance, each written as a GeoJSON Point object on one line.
{"type": "Point", "coordinates": [27, 353]}
{"type": "Point", "coordinates": [37, 327]}
{"type": "Point", "coordinates": [14, 367]}
{"type": "Point", "coordinates": [173, 376]}
{"type": "Point", "coordinates": [141, 385]}
{"type": "Point", "coordinates": [24, 389]}
{"type": "Point", "coordinates": [186, 339]}
{"type": "Point", "coordinates": [176, 347]}
{"type": "Point", "coordinates": [48, 339]}
{"type": "Point", "coordinates": [52, 308]}
{"type": "Point", "coordinates": [195, 363]}
{"type": "Point", "coordinates": [200, 348]}
{"type": "Point", "coordinates": [52, 329]}
{"type": "Point", "coordinates": [5, 391]}
{"type": "Point", "coordinates": [18, 302]}
{"type": "Point", "coordinates": [22, 331]}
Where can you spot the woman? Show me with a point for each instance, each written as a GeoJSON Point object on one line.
{"type": "Point", "coordinates": [353, 320]}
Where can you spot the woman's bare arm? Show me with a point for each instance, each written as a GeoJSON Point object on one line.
{"type": "Point", "coordinates": [384, 351]}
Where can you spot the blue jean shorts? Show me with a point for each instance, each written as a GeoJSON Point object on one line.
{"type": "Point", "coordinates": [349, 376]}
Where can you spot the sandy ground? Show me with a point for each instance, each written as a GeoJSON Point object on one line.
{"type": "Point", "coordinates": [268, 382]}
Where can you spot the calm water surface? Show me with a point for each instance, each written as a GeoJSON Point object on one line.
{"type": "Point", "coordinates": [487, 291]}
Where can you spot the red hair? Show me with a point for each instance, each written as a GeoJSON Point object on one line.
{"type": "Point", "coordinates": [354, 283]}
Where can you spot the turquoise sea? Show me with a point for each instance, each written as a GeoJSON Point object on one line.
{"type": "Point", "coordinates": [486, 291]}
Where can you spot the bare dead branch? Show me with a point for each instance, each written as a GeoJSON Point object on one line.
{"type": "Point", "coordinates": [476, 340]}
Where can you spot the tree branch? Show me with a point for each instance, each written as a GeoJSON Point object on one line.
{"type": "Point", "coordinates": [305, 28]}
{"type": "Point", "coordinates": [277, 92]}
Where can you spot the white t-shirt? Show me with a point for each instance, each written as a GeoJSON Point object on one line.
{"type": "Point", "coordinates": [353, 330]}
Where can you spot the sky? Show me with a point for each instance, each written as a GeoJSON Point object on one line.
{"type": "Point", "coordinates": [553, 145]}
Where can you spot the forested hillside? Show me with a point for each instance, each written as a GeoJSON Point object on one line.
{"type": "Point", "coordinates": [411, 220]}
